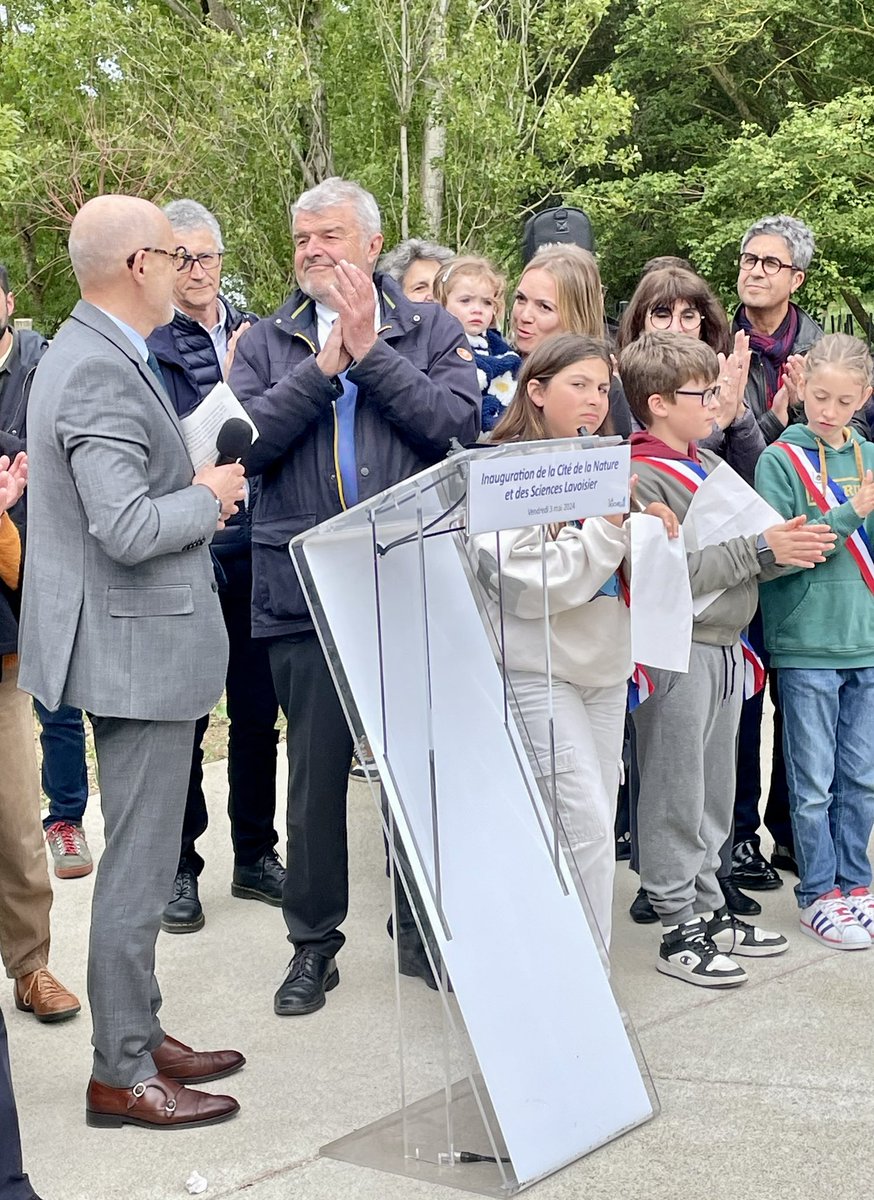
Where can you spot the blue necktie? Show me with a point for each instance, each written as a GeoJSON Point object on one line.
{"type": "Point", "coordinates": [346, 439]}
{"type": "Point", "coordinates": [153, 364]}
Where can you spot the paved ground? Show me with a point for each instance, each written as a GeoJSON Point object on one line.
{"type": "Point", "coordinates": [767, 1091]}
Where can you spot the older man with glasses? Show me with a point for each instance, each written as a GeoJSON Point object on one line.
{"type": "Point", "coordinates": [776, 253]}
{"type": "Point", "coordinates": [195, 351]}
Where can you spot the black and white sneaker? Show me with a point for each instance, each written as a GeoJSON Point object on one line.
{"type": "Point", "coordinates": [688, 953]}
{"type": "Point", "coordinates": [733, 936]}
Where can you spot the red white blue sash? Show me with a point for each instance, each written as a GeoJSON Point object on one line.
{"type": "Point", "coordinates": [640, 687]}
{"type": "Point", "coordinates": [754, 670]}
{"type": "Point", "coordinates": [690, 474]}
{"type": "Point", "coordinates": [826, 495]}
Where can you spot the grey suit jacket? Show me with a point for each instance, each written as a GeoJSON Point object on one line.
{"type": "Point", "coordinates": [120, 614]}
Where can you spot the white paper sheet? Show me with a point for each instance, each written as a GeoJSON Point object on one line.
{"type": "Point", "coordinates": [200, 428]}
{"type": "Point", "coordinates": [725, 507]}
{"type": "Point", "coordinates": [661, 598]}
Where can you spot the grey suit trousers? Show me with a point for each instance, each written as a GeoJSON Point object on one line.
{"type": "Point", "coordinates": [143, 774]}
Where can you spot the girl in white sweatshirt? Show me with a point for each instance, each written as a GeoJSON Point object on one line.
{"type": "Point", "coordinates": [564, 386]}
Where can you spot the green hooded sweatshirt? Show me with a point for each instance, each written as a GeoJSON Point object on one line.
{"type": "Point", "coordinates": [821, 617]}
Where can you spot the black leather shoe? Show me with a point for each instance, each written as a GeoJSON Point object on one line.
{"type": "Point", "coordinates": [263, 880]}
{"type": "Point", "coordinates": [183, 914]}
{"type": "Point", "coordinates": [309, 976]}
{"type": "Point", "coordinates": [749, 869]}
{"type": "Point", "coordinates": [738, 904]}
{"type": "Point", "coordinates": [784, 858]}
{"type": "Point", "coordinates": [641, 911]}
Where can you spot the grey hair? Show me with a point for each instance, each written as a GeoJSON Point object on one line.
{"type": "Point", "coordinates": [396, 262]}
{"type": "Point", "coordinates": [341, 191]}
{"type": "Point", "coordinates": [187, 215]}
{"type": "Point", "coordinates": [797, 236]}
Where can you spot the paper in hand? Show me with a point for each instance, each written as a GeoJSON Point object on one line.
{"type": "Point", "coordinates": [661, 598]}
{"type": "Point", "coordinates": [200, 428]}
{"type": "Point", "coordinates": [725, 507]}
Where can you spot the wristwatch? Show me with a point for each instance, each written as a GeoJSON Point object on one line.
{"type": "Point", "coordinates": [764, 551]}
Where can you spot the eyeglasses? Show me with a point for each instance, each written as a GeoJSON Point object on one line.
{"type": "Point", "coordinates": [706, 397]}
{"type": "Point", "coordinates": [178, 255]}
{"type": "Point", "coordinates": [661, 317]}
{"type": "Point", "coordinates": [208, 261]}
{"type": "Point", "coordinates": [770, 264]}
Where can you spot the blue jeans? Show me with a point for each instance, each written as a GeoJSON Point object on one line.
{"type": "Point", "coordinates": [64, 774]}
{"type": "Point", "coordinates": [827, 721]}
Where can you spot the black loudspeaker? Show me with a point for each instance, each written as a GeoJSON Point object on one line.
{"type": "Point", "coordinates": [557, 225]}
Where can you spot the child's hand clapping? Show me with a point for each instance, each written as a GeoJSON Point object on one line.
{"type": "Point", "coordinates": [797, 544]}
{"type": "Point", "coordinates": [863, 501]}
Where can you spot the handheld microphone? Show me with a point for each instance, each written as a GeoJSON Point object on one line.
{"type": "Point", "coordinates": [233, 441]}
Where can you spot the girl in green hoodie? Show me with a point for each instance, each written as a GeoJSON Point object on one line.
{"type": "Point", "coordinates": [819, 629]}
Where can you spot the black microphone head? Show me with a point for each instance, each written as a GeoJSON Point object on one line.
{"type": "Point", "coordinates": [233, 440]}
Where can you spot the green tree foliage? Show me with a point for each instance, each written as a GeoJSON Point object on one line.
{"type": "Point", "coordinates": [674, 126]}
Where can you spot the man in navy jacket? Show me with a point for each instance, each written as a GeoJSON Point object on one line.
{"type": "Point", "coordinates": [195, 351]}
{"type": "Point", "coordinates": [353, 388]}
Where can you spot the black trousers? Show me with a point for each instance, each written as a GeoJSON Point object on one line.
{"type": "Point", "coordinates": [748, 790]}
{"type": "Point", "coordinates": [252, 736]}
{"type": "Point", "coordinates": [316, 896]}
{"type": "Point", "coordinates": [14, 1184]}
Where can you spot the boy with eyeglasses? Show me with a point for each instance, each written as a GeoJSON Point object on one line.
{"type": "Point", "coordinates": [687, 729]}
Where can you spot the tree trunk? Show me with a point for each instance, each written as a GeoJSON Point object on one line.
{"type": "Point", "coordinates": [434, 141]}
{"type": "Point", "coordinates": [319, 160]}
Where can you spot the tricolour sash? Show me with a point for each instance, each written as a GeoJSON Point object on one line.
{"type": "Point", "coordinates": [826, 495]}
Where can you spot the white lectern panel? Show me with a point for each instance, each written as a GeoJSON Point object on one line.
{"type": "Point", "coordinates": [531, 988]}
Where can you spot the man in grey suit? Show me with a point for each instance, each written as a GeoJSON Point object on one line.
{"type": "Point", "coordinates": [121, 619]}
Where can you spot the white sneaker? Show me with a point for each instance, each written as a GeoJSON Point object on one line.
{"type": "Point", "coordinates": [733, 936]}
{"type": "Point", "coordinates": [688, 953]}
{"type": "Point", "coordinates": [860, 902]}
{"type": "Point", "coordinates": [830, 920]}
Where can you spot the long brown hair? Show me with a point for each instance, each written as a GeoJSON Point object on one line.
{"type": "Point", "coordinates": [523, 421]}
{"type": "Point", "coordinates": [665, 288]}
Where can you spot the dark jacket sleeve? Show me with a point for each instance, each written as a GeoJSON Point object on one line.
{"type": "Point", "coordinates": [429, 407]}
{"type": "Point", "coordinates": [282, 413]}
{"type": "Point", "coordinates": [740, 444]}
{"type": "Point", "coordinates": [11, 444]}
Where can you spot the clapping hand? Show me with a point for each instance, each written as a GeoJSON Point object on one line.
{"type": "Point", "coordinates": [733, 373]}
{"type": "Point", "coordinates": [797, 544]}
{"type": "Point", "coordinates": [13, 480]}
{"type": "Point", "coordinates": [232, 347]}
{"type": "Point", "coordinates": [863, 501]}
{"type": "Point", "coordinates": [333, 358]}
{"type": "Point", "coordinates": [352, 297]}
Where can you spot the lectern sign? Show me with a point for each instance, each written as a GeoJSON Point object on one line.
{"type": "Point", "coordinates": [512, 491]}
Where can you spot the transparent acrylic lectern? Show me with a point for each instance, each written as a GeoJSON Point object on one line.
{"type": "Point", "coordinates": [522, 1060]}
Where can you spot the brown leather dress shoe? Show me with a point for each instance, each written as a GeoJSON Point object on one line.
{"type": "Point", "coordinates": [156, 1103]}
{"type": "Point", "coordinates": [178, 1061]}
{"type": "Point", "coordinates": [41, 994]}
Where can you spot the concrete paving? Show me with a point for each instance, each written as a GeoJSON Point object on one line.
{"type": "Point", "coordinates": [765, 1091]}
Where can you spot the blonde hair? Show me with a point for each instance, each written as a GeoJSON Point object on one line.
{"type": "Point", "coordinates": [469, 266]}
{"type": "Point", "coordinates": [524, 420]}
{"type": "Point", "coordinates": [578, 291]}
{"type": "Point", "coordinates": [841, 350]}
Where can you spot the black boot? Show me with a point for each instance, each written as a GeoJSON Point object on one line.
{"type": "Point", "coordinates": [738, 904]}
{"type": "Point", "coordinates": [750, 869]}
{"type": "Point", "coordinates": [183, 914]}
{"type": "Point", "coordinates": [641, 911]}
{"type": "Point", "coordinates": [262, 880]}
